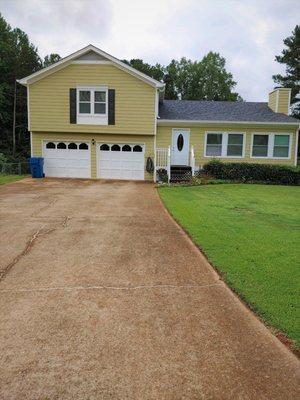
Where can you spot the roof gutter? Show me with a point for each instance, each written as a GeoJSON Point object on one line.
{"type": "Point", "coordinates": [201, 122]}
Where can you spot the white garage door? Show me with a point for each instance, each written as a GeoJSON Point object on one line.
{"type": "Point", "coordinates": [121, 161]}
{"type": "Point", "coordinates": [67, 159]}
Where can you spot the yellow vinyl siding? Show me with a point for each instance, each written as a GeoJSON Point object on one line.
{"type": "Point", "coordinates": [197, 139]}
{"type": "Point", "coordinates": [279, 100]}
{"type": "Point", "coordinates": [283, 101]}
{"type": "Point", "coordinates": [147, 140]}
{"type": "Point", "coordinates": [273, 100]}
{"type": "Point", "coordinates": [134, 104]}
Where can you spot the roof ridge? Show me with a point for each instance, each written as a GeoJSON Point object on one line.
{"type": "Point", "coordinates": [218, 101]}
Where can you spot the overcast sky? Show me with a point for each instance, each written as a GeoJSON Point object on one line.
{"type": "Point", "coordinates": [248, 33]}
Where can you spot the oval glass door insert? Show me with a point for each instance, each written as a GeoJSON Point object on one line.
{"type": "Point", "coordinates": [180, 142]}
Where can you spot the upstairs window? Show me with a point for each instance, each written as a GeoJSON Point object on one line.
{"type": "Point", "coordinates": [99, 102]}
{"type": "Point", "coordinates": [92, 102]}
{"type": "Point", "coordinates": [92, 107]}
{"type": "Point", "coordinates": [84, 102]}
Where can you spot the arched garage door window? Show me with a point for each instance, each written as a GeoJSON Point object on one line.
{"type": "Point", "coordinates": [126, 147]}
{"type": "Point", "coordinates": [115, 147]}
{"type": "Point", "coordinates": [50, 145]}
{"type": "Point", "coordinates": [137, 148]}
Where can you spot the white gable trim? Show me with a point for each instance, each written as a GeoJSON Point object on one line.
{"type": "Point", "coordinates": [72, 57]}
{"type": "Point", "coordinates": [102, 62]}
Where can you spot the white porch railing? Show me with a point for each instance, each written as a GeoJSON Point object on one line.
{"type": "Point", "coordinates": [163, 160]}
{"type": "Point", "coordinates": [192, 160]}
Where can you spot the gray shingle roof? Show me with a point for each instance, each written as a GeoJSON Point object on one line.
{"type": "Point", "coordinates": [221, 111]}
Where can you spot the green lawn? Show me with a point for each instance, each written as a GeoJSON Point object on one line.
{"type": "Point", "coordinates": [10, 178]}
{"type": "Point", "coordinates": [251, 234]}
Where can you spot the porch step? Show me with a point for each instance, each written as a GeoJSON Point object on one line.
{"type": "Point", "coordinates": [181, 173]}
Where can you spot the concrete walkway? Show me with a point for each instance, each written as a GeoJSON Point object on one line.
{"type": "Point", "coordinates": [102, 296]}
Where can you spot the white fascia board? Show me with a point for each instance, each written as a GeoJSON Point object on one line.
{"type": "Point", "coordinates": [67, 60]}
{"type": "Point", "coordinates": [202, 122]}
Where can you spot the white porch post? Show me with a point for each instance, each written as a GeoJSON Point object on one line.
{"type": "Point", "coordinates": [169, 164]}
{"type": "Point", "coordinates": [192, 160]}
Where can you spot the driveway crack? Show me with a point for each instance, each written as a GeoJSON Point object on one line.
{"type": "Point", "coordinates": [29, 244]}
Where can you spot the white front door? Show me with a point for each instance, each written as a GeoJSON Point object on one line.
{"type": "Point", "coordinates": [121, 161]}
{"type": "Point", "coordinates": [180, 147]}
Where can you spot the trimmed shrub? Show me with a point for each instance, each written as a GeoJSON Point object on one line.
{"type": "Point", "coordinates": [246, 172]}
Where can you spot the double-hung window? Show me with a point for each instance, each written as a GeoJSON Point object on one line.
{"type": "Point", "coordinates": [281, 146]}
{"type": "Point", "coordinates": [224, 144]}
{"type": "Point", "coordinates": [271, 145]}
{"type": "Point", "coordinates": [260, 146]}
{"type": "Point", "coordinates": [92, 105]}
{"type": "Point", "coordinates": [84, 102]}
{"type": "Point", "coordinates": [214, 144]}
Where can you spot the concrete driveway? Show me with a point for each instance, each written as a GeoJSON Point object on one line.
{"type": "Point", "coordinates": [103, 296]}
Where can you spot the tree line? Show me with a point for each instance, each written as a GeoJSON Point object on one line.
{"type": "Point", "coordinates": [18, 58]}
{"type": "Point", "coordinates": [205, 79]}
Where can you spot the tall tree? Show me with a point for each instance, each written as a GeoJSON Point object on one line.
{"type": "Point", "coordinates": [290, 56]}
{"type": "Point", "coordinates": [206, 79]}
{"type": "Point", "coordinates": [51, 59]}
{"type": "Point", "coordinates": [18, 58]}
{"type": "Point", "coordinates": [170, 81]}
{"type": "Point", "coordinates": [154, 71]}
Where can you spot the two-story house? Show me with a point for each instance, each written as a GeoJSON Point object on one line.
{"type": "Point", "coordinates": [92, 116]}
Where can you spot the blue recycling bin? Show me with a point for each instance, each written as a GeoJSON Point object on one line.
{"type": "Point", "coordinates": [36, 167]}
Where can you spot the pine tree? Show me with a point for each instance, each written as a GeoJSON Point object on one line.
{"type": "Point", "coordinates": [291, 58]}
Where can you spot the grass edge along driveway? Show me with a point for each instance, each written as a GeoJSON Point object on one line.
{"type": "Point", "coordinates": [250, 233]}
{"type": "Point", "coordinates": [11, 178]}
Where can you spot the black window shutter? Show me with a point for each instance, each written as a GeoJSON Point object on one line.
{"type": "Point", "coordinates": [73, 112]}
{"type": "Point", "coordinates": [111, 106]}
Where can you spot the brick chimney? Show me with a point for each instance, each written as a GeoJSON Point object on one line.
{"type": "Point", "coordinates": [279, 100]}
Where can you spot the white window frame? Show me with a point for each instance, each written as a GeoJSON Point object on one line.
{"type": "Point", "coordinates": [271, 145]}
{"type": "Point", "coordinates": [225, 143]}
{"type": "Point", "coordinates": [92, 118]}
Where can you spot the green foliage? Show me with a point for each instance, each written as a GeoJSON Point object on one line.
{"type": "Point", "coordinates": [250, 233]}
{"type": "Point", "coordinates": [18, 58]}
{"type": "Point", "coordinates": [51, 59]}
{"type": "Point", "coordinates": [3, 158]}
{"type": "Point", "coordinates": [206, 79]}
{"type": "Point", "coordinates": [248, 172]}
{"type": "Point", "coordinates": [154, 71]}
{"type": "Point", "coordinates": [291, 58]}
{"type": "Point", "coordinates": [203, 80]}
